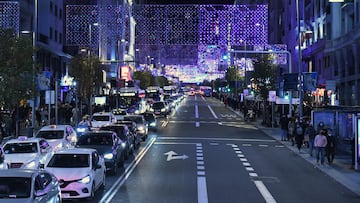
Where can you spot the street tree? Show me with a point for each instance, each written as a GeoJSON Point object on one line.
{"type": "Point", "coordinates": [17, 75]}
{"type": "Point", "coordinates": [145, 77]}
{"type": "Point", "coordinates": [232, 75]}
{"type": "Point", "coordinates": [263, 77]}
{"type": "Point", "coordinates": [87, 72]}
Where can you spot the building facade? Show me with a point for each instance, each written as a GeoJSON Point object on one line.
{"type": "Point", "coordinates": [329, 39]}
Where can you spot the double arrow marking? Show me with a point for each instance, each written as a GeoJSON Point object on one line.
{"type": "Point", "coordinates": [171, 155]}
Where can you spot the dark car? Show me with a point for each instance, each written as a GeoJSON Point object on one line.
{"type": "Point", "coordinates": [133, 130]}
{"type": "Point", "coordinates": [123, 132]}
{"type": "Point", "coordinates": [160, 109]}
{"type": "Point", "coordinates": [151, 120]}
{"type": "Point", "coordinates": [108, 144]}
{"type": "Point", "coordinates": [141, 125]}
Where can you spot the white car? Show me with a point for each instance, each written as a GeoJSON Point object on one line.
{"type": "Point", "coordinates": [80, 171]}
{"type": "Point", "coordinates": [58, 136]}
{"type": "Point", "coordinates": [102, 118]}
{"type": "Point", "coordinates": [27, 186]}
{"type": "Point", "coordinates": [24, 152]}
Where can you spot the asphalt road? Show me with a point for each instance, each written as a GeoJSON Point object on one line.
{"type": "Point", "coordinates": [205, 153]}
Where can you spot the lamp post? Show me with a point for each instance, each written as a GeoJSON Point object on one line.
{"type": "Point", "coordinates": [90, 61]}
{"type": "Point", "coordinates": [33, 65]}
{"type": "Point", "coordinates": [263, 32]}
{"type": "Point", "coordinates": [300, 61]}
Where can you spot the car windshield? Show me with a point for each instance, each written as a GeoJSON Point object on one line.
{"type": "Point", "coordinates": [100, 118]}
{"type": "Point", "coordinates": [136, 119]}
{"type": "Point", "coordinates": [149, 117]}
{"type": "Point", "coordinates": [69, 161]}
{"type": "Point", "coordinates": [14, 148]}
{"type": "Point", "coordinates": [51, 134]}
{"type": "Point", "coordinates": [120, 131]}
{"type": "Point", "coordinates": [96, 139]}
{"type": "Point", "coordinates": [15, 187]}
{"type": "Point", "coordinates": [158, 105]}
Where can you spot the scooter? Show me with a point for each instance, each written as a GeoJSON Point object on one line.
{"type": "Point", "coordinates": [250, 115]}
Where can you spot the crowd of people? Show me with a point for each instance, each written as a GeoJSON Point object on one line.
{"type": "Point", "coordinates": [303, 134]}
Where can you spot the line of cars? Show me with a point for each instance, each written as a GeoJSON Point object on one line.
{"type": "Point", "coordinates": [78, 161]}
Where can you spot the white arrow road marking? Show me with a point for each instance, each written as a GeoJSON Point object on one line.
{"type": "Point", "coordinates": [171, 155]}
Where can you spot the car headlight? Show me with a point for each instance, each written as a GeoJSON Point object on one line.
{"type": "Point", "coordinates": [137, 111]}
{"type": "Point", "coordinates": [3, 166]}
{"type": "Point", "coordinates": [153, 124]}
{"type": "Point", "coordinates": [123, 144]}
{"type": "Point", "coordinates": [141, 128]}
{"type": "Point", "coordinates": [151, 109]}
{"type": "Point", "coordinates": [85, 180]}
{"type": "Point", "coordinates": [30, 165]}
{"type": "Point", "coordinates": [108, 156]}
{"type": "Point", "coordinates": [163, 110]}
{"type": "Point", "coordinates": [80, 130]}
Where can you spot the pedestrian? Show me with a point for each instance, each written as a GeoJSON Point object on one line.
{"type": "Point", "coordinates": [310, 133]}
{"type": "Point", "coordinates": [299, 135]}
{"type": "Point", "coordinates": [284, 120]}
{"type": "Point", "coordinates": [330, 147]}
{"type": "Point", "coordinates": [291, 131]}
{"type": "Point", "coordinates": [320, 143]}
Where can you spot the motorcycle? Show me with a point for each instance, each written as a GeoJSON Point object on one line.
{"type": "Point", "coordinates": [250, 115]}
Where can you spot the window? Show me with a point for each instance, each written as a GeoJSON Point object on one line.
{"type": "Point", "coordinates": [56, 10]}
{"type": "Point", "coordinates": [60, 13]}
{"type": "Point", "coordinates": [51, 6]}
{"type": "Point", "coordinates": [51, 33]}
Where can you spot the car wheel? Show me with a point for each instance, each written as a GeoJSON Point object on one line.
{"type": "Point", "coordinates": [92, 192]}
{"type": "Point", "coordinates": [104, 182]}
{"type": "Point", "coordinates": [58, 199]}
{"type": "Point", "coordinates": [114, 169]}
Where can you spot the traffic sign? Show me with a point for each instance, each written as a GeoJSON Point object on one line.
{"type": "Point", "coordinates": [290, 81]}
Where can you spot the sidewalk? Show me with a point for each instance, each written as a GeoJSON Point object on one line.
{"type": "Point", "coordinates": [339, 170]}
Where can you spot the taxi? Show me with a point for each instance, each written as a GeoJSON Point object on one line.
{"type": "Point", "coordinates": [80, 171]}
{"type": "Point", "coordinates": [100, 119]}
{"type": "Point", "coordinates": [58, 136]}
{"type": "Point", "coordinates": [24, 152]}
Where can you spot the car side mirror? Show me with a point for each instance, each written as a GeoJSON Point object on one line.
{"type": "Point", "coordinates": [41, 166]}
{"type": "Point", "coordinates": [97, 166]}
{"type": "Point", "coordinates": [39, 193]}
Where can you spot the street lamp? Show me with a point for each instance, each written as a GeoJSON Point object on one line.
{"type": "Point", "coordinates": [263, 32]}
{"type": "Point", "coordinates": [300, 61]}
{"type": "Point", "coordinates": [91, 68]}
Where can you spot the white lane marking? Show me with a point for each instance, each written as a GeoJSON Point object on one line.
{"type": "Point", "coordinates": [201, 173]}
{"type": "Point", "coordinates": [243, 159]}
{"type": "Point", "coordinates": [199, 154]}
{"type": "Point", "coordinates": [264, 192]}
{"type": "Point", "coordinates": [236, 148]}
{"type": "Point", "coordinates": [172, 143]}
{"type": "Point", "coordinates": [107, 197]}
{"type": "Point", "coordinates": [215, 138]}
{"type": "Point", "coordinates": [196, 111]}
{"type": "Point", "coordinates": [197, 124]}
{"type": "Point", "coordinates": [214, 143]}
{"type": "Point", "coordinates": [200, 162]}
{"type": "Point", "coordinates": [201, 167]}
{"type": "Point", "coordinates": [203, 98]}
{"type": "Point", "coordinates": [246, 164]}
{"type": "Point", "coordinates": [202, 190]}
{"type": "Point", "coordinates": [195, 97]}
{"type": "Point", "coordinates": [241, 155]}
{"type": "Point", "coordinates": [249, 168]}
{"type": "Point", "coordinates": [199, 158]}
{"type": "Point", "coordinates": [212, 111]}
{"type": "Point", "coordinates": [263, 145]}
{"type": "Point", "coordinates": [253, 174]}
{"type": "Point", "coordinates": [247, 145]}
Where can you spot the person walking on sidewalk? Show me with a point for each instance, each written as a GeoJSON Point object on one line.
{"type": "Point", "coordinates": [330, 147]}
{"type": "Point", "coordinates": [320, 143]}
{"type": "Point", "coordinates": [284, 120]}
{"type": "Point", "coordinates": [291, 130]}
{"type": "Point", "coordinates": [299, 135]}
{"type": "Point", "coordinates": [310, 132]}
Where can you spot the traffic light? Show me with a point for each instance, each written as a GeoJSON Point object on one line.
{"type": "Point", "coordinates": [290, 81]}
